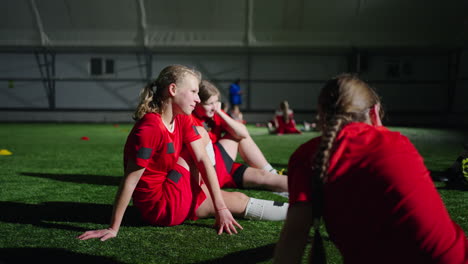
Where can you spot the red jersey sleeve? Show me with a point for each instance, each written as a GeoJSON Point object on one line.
{"type": "Point", "coordinates": [189, 130]}
{"type": "Point", "coordinates": [300, 172]}
{"type": "Point", "coordinates": [143, 141]}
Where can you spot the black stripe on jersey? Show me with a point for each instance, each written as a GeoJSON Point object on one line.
{"type": "Point", "coordinates": [170, 148]}
{"type": "Point", "coordinates": [196, 131]}
{"type": "Point", "coordinates": [144, 153]}
{"type": "Point", "coordinates": [174, 176]}
{"type": "Point", "coordinates": [206, 126]}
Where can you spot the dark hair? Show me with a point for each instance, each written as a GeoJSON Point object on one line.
{"type": "Point", "coordinates": [153, 95]}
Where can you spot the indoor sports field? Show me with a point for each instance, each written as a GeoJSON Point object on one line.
{"type": "Point", "coordinates": [60, 180]}
{"type": "Point", "coordinates": [75, 74]}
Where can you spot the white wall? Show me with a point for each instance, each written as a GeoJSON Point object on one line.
{"type": "Point", "coordinates": [420, 87]}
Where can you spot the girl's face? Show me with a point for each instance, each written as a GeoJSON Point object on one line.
{"type": "Point", "coordinates": [208, 108]}
{"type": "Point", "coordinates": [186, 95]}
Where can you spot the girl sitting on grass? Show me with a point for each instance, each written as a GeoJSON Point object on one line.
{"type": "Point", "coordinates": [370, 184]}
{"type": "Point", "coordinates": [157, 177]}
{"type": "Point", "coordinates": [228, 137]}
{"type": "Point", "coordinates": [283, 121]}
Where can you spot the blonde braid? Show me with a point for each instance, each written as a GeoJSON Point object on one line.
{"type": "Point", "coordinates": [344, 99]}
{"type": "Point", "coordinates": [325, 149]}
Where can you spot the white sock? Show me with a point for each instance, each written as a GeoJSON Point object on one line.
{"type": "Point", "coordinates": [269, 168]}
{"type": "Point", "coordinates": [259, 209]}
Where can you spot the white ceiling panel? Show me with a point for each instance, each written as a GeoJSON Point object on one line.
{"type": "Point", "coordinates": [227, 23]}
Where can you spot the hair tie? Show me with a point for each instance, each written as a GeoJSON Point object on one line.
{"type": "Point", "coordinates": [154, 87]}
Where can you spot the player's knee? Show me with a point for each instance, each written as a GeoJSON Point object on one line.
{"type": "Point", "coordinates": [182, 162]}
{"type": "Point", "coordinates": [261, 177]}
{"type": "Point", "coordinates": [239, 196]}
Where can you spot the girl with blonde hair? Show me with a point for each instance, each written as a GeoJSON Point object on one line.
{"type": "Point", "coordinates": [230, 137]}
{"type": "Point", "coordinates": [156, 176]}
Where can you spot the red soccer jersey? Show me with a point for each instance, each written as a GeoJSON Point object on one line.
{"type": "Point", "coordinates": [152, 146]}
{"type": "Point", "coordinates": [381, 205]}
{"type": "Point", "coordinates": [286, 128]}
{"type": "Point", "coordinates": [215, 126]}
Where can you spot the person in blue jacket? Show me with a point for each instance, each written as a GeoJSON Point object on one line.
{"type": "Point", "coordinates": [235, 93]}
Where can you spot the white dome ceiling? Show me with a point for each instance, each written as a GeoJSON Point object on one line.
{"type": "Point", "coordinates": [228, 23]}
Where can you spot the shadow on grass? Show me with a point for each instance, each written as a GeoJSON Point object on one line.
{"type": "Point", "coordinates": [438, 176]}
{"type": "Point", "coordinates": [78, 178]}
{"type": "Point", "coordinates": [42, 214]}
{"type": "Point", "coordinates": [199, 225]}
{"type": "Point", "coordinates": [458, 184]}
{"type": "Point", "coordinates": [253, 255]}
{"type": "Point", "coordinates": [48, 255]}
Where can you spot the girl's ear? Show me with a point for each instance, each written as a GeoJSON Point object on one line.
{"type": "Point", "coordinates": [172, 89]}
{"type": "Point", "coordinates": [374, 114]}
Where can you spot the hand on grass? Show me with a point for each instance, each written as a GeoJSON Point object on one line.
{"type": "Point", "coordinates": [225, 222]}
{"type": "Point", "coordinates": [103, 234]}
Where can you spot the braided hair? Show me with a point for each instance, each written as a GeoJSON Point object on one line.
{"type": "Point", "coordinates": [344, 99]}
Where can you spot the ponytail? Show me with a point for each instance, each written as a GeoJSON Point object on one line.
{"type": "Point", "coordinates": [149, 103]}
{"type": "Point", "coordinates": [154, 94]}
{"type": "Point", "coordinates": [284, 106]}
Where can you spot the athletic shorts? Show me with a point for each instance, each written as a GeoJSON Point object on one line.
{"type": "Point", "coordinates": [230, 173]}
{"type": "Point", "coordinates": [180, 199]}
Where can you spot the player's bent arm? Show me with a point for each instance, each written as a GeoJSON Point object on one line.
{"type": "Point", "coordinates": [133, 174]}
{"type": "Point", "coordinates": [224, 219]}
{"type": "Point", "coordinates": [122, 199]}
{"type": "Point", "coordinates": [236, 129]}
{"type": "Point", "coordinates": [207, 171]}
{"type": "Point", "coordinates": [293, 238]}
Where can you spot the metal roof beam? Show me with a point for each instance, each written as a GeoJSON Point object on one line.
{"type": "Point", "coordinates": [40, 27]}
{"type": "Point", "coordinates": [143, 24]}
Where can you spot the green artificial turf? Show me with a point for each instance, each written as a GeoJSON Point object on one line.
{"type": "Point", "coordinates": [55, 186]}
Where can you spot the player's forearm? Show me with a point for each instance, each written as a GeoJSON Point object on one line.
{"type": "Point", "coordinates": [293, 238]}
{"type": "Point", "coordinates": [237, 129]}
{"type": "Point", "coordinates": [207, 172]}
{"type": "Point", "coordinates": [122, 198]}
{"type": "Point", "coordinates": [209, 177]}
{"type": "Point", "coordinates": [289, 248]}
